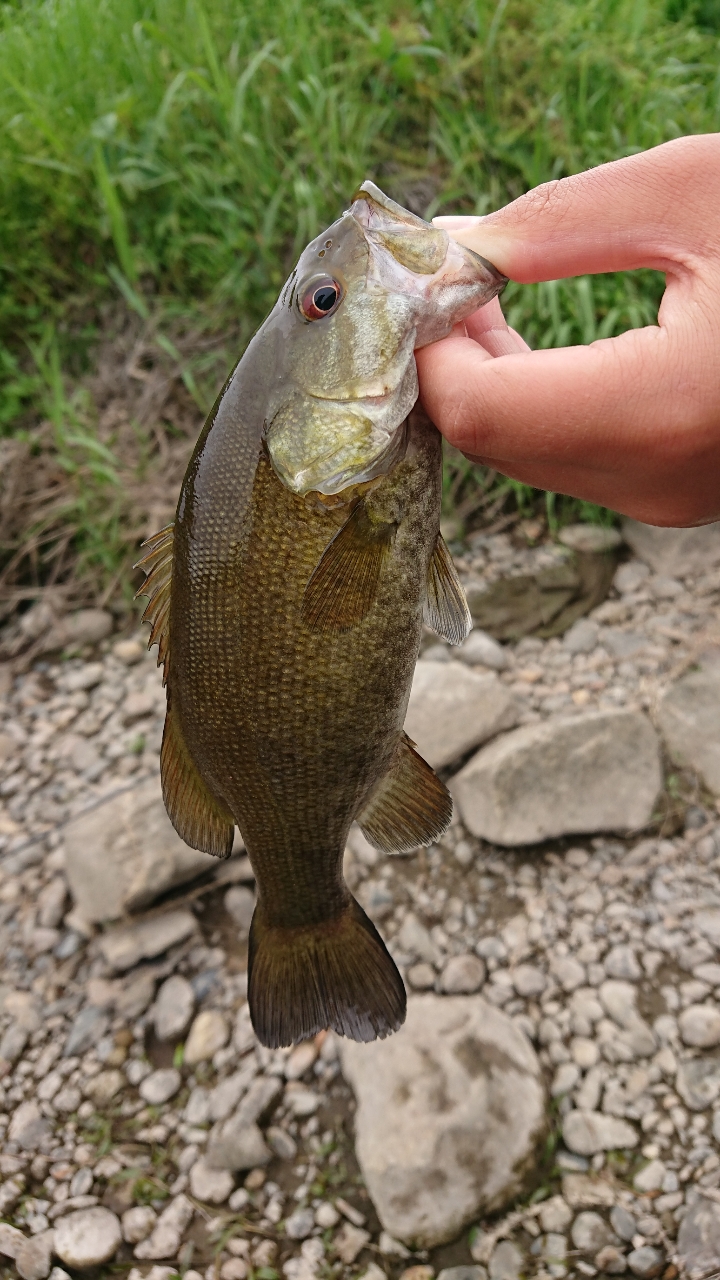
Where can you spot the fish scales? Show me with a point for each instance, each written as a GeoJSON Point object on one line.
{"type": "Point", "coordinates": [288, 602]}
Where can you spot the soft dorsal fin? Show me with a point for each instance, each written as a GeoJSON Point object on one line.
{"type": "Point", "coordinates": [199, 818]}
{"type": "Point", "coordinates": [344, 583]}
{"type": "Point", "coordinates": [410, 806]}
{"type": "Point", "coordinates": [156, 564]}
{"type": "Point", "coordinates": [446, 609]}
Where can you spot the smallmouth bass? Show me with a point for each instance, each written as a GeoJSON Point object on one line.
{"type": "Point", "coordinates": [288, 601]}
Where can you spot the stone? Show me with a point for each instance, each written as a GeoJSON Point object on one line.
{"type": "Point", "coordinates": [480, 649]}
{"type": "Point", "coordinates": [208, 1033]}
{"type": "Point", "coordinates": [708, 923]}
{"type": "Point", "coordinates": [123, 854]}
{"type": "Point", "coordinates": [555, 1254]}
{"type": "Point", "coordinates": [174, 1007]}
{"type": "Point", "coordinates": [28, 1127]}
{"type": "Point", "coordinates": [565, 1079]}
{"type": "Point", "coordinates": [623, 1223]}
{"type": "Point", "coordinates": [590, 1232]}
{"type": "Point", "coordinates": [698, 1082]}
{"type": "Point", "coordinates": [137, 1223]}
{"type": "Point", "coordinates": [89, 1027]}
{"type": "Point", "coordinates": [687, 719]}
{"type": "Point", "coordinates": [569, 973]}
{"type": "Point", "coordinates": [128, 652]}
{"type": "Point", "coordinates": [651, 1177]}
{"type": "Point", "coordinates": [160, 1086]}
{"type": "Point", "coordinates": [621, 962]}
{"type": "Point", "coordinates": [302, 1058]}
{"type": "Point", "coordinates": [240, 903]}
{"type": "Point", "coordinates": [212, 1186]}
{"type": "Point", "coordinates": [282, 1144]}
{"type": "Point", "coordinates": [226, 1095]}
{"type": "Point", "coordinates": [51, 903]}
{"type": "Point", "coordinates": [506, 1261]}
{"type": "Point", "coordinates": [467, 1272]}
{"type": "Point", "coordinates": [238, 1147]}
{"type": "Point", "coordinates": [87, 1237]}
{"type": "Point", "coordinates": [450, 1110]}
{"type": "Point", "coordinates": [421, 977]}
{"type": "Point", "coordinates": [462, 975]}
{"type": "Point", "coordinates": [555, 1215]}
{"type": "Point", "coordinates": [102, 1088]}
{"type": "Point", "coordinates": [584, 1052]}
{"type": "Point", "coordinates": [453, 709]}
{"type": "Point", "coordinates": [85, 627]}
{"type": "Point", "coordinates": [588, 1132]}
{"type": "Point", "coordinates": [349, 1242]}
{"type": "Point", "coordinates": [646, 1262]}
{"type": "Point", "coordinates": [700, 1025]}
{"type": "Point", "coordinates": [698, 1242]}
{"type": "Point", "coordinates": [674, 552]}
{"type": "Point", "coordinates": [126, 946]}
{"type": "Point", "coordinates": [326, 1215]}
{"type": "Point", "coordinates": [592, 539]}
{"type": "Point", "coordinates": [611, 1261]}
{"type": "Point", "coordinates": [595, 772]}
{"type": "Point", "coordinates": [10, 1240]}
{"type": "Point", "coordinates": [582, 1191]}
{"type": "Point", "coordinates": [582, 636]}
{"type": "Point", "coordinates": [34, 1257]}
{"type": "Point", "coordinates": [528, 980]}
{"type": "Point", "coordinates": [299, 1225]}
{"type": "Point", "coordinates": [166, 1236]}
{"type": "Point", "coordinates": [415, 939]}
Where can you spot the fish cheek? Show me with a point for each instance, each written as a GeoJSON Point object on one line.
{"type": "Point", "coordinates": [317, 444]}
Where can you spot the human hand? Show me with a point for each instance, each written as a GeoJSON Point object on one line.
{"type": "Point", "coordinates": [631, 422]}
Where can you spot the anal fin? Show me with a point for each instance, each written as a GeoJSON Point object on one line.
{"type": "Point", "coordinates": [199, 818]}
{"type": "Point", "coordinates": [446, 609]}
{"type": "Point", "coordinates": [344, 583]}
{"type": "Point", "coordinates": [410, 806]}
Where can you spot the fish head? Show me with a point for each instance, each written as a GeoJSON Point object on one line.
{"type": "Point", "coordinates": [377, 284]}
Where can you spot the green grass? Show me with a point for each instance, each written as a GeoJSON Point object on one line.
{"type": "Point", "coordinates": [173, 157]}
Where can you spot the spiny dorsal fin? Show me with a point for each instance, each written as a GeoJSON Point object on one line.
{"type": "Point", "coordinates": [156, 564]}
{"type": "Point", "coordinates": [446, 609]}
{"type": "Point", "coordinates": [410, 806]}
{"type": "Point", "coordinates": [345, 581]}
{"type": "Point", "coordinates": [199, 819]}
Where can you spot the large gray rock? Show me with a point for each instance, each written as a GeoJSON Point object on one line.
{"type": "Point", "coordinates": [449, 1114]}
{"type": "Point", "coordinates": [123, 854]}
{"type": "Point", "coordinates": [127, 945]}
{"type": "Point", "coordinates": [597, 772]}
{"type": "Point", "coordinates": [453, 709]}
{"type": "Point", "coordinates": [674, 552]}
{"type": "Point", "coordinates": [688, 718]}
{"type": "Point", "coordinates": [698, 1242]}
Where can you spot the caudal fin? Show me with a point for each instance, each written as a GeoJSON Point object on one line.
{"type": "Point", "coordinates": [337, 975]}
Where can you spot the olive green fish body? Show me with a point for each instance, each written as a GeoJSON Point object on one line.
{"type": "Point", "coordinates": [288, 603]}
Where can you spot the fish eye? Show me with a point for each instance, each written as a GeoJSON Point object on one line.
{"type": "Point", "coordinates": [321, 298]}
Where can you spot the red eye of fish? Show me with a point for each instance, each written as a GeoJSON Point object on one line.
{"type": "Point", "coordinates": [321, 299]}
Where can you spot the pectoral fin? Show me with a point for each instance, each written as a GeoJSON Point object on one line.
{"type": "Point", "coordinates": [344, 584]}
{"type": "Point", "coordinates": [409, 807]}
{"type": "Point", "coordinates": [156, 564]}
{"type": "Point", "coordinates": [199, 818]}
{"type": "Point", "coordinates": [446, 609]}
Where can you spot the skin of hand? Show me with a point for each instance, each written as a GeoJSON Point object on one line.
{"type": "Point", "coordinates": [632, 422]}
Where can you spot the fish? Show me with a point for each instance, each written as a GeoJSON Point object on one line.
{"type": "Point", "coordinates": [288, 598]}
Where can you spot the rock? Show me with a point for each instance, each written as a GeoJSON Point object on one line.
{"type": "Point", "coordinates": [528, 980]}
{"type": "Point", "coordinates": [123, 854]}
{"type": "Point", "coordinates": [594, 539]}
{"type": "Point", "coordinates": [481, 649]}
{"type": "Point", "coordinates": [174, 1006]}
{"type": "Point", "coordinates": [687, 719]}
{"type": "Point", "coordinates": [326, 1215]}
{"type": "Point", "coordinates": [167, 1234]}
{"type": "Point", "coordinates": [415, 938]}
{"type": "Point", "coordinates": [208, 1033]}
{"type": "Point", "coordinates": [28, 1127]}
{"type": "Point", "coordinates": [708, 923]}
{"type": "Point", "coordinates": [300, 1223]}
{"type": "Point", "coordinates": [137, 1223]}
{"type": "Point", "coordinates": [623, 1223]}
{"type": "Point", "coordinates": [590, 1232]}
{"type": "Point", "coordinates": [611, 1261]}
{"type": "Point", "coordinates": [102, 1088]}
{"type": "Point", "coordinates": [449, 1113]}
{"type": "Point", "coordinates": [583, 1191]}
{"type": "Point", "coordinates": [506, 1262]}
{"type": "Point", "coordinates": [238, 1146]}
{"type": "Point", "coordinates": [463, 1273]}
{"type": "Point", "coordinates": [569, 973]}
{"type": "Point", "coordinates": [34, 1257]}
{"type": "Point", "coordinates": [240, 903]}
{"type": "Point", "coordinates": [282, 1144]}
{"type": "Point", "coordinates": [700, 1025]}
{"type": "Point", "coordinates": [160, 1086]}
{"type": "Point", "coordinates": [619, 1000]}
{"type": "Point", "coordinates": [587, 1132]}
{"type": "Point", "coordinates": [10, 1193]}
{"type": "Point", "coordinates": [87, 626]}
{"type": "Point", "coordinates": [51, 903]}
{"type": "Point", "coordinates": [555, 1254]}
{"type": "Point", "coordinates": [226, 1095]}
{"type": "Point", "coordinates": [621, 962]}
{"type": "Point", "coordinates": [698, 1082]}
{"type": "Point", "coordinates": [421, 977]}
{"type": "Point", "coordinates": [10, 1240]}
{"type": "Point", "coordinates": [651, 1177]}
{"type": "Point", "coordinates": [462, 975]}
{"type": "Point", "coordinates": [596, 772]}
{"type": "Point", "coordinates": [674, 552]}
{"type": "Point", "coordinates": [128, 652]}
{"type": "Point", "coordinates": [89, 1027]}
{"type": "Point", "coordinates": [87, 1238]}
{"type": "Point", "coordinates": [555, 1214]}
{"type": "Point", "coordinates": [698, 1242]}
{"type": "Point", "coordinates": [453, 709]}
{"type": "Point", "coordinates": [126, 946]}
{"type": "Point", "coordinates": [566, 1077]}
{"type": "Point", "coordinates": [212, 1186]}
{"type": "Point", "coordinates": [302, 1058]}
{"type": "Point", "coordinates": [349, 1242]}
{"type": "Point", "coordinates": [582, 636]}
{"type": "Point", "coordinates": [646, 1262]}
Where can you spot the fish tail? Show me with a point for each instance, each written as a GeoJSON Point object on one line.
{"type": "Point", "coordinates": [337, 975]}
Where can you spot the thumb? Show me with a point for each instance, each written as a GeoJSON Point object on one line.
{"type": "Point", "coordinates": [647, 210]}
